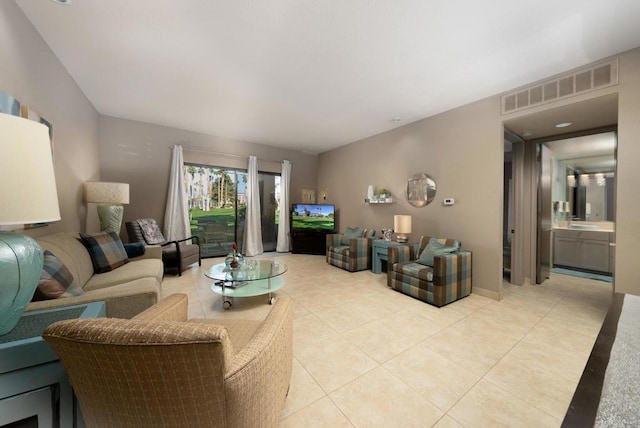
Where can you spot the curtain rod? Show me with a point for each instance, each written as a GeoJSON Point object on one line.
{"type": "Point", "coordinates": [233, 155]}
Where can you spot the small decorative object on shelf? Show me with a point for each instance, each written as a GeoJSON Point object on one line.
{"type": "Point", "coordinates": [382, 196]}
{"type": "Point", "coordinates": [386, 234]}
{"type": "Point", "coordinates": [376, 200]}
{"type": "Point", "coordinates": [234, 259]}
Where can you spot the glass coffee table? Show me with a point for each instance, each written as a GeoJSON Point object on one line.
{"type": "Point", "coordinates": [253, 278]}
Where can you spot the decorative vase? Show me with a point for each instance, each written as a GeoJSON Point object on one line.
{"type": "Point", "coordinates": [228, 260]}
{"type": "Point", "coordinates": [234, 260]}
{"type": "Point", "coordinates": [370, 192]}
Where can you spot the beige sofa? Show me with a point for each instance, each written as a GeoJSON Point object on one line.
{"type": "Point", "coordinates": [127, 290]}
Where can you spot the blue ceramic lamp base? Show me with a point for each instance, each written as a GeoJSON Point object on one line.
{"type": "Point", "coordinates": [20, 268]}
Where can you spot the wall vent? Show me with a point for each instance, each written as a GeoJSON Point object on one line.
{"type": "Point", "coordinates": [582, 81]}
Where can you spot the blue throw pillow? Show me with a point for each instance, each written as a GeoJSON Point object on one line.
{"type": "Point", "coordinates": [434, 248]}
{"type": "Point", "coordinates": [351, 233]}
{"type": "Point", "coordinates": [134, 249]}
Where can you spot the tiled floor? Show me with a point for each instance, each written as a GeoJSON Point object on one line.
{"type": "Point", "coordinates": [367, 356]}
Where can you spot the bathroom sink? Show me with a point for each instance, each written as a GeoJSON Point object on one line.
{"type": "Point", "coordinates": [584, 226]}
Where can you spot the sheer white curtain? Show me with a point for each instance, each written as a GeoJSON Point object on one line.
{"type": "Point", "coordinates": [283, 245]}
{"type": "Point", "coordinates": [253, 227]}
{"type": "Point", "coordinates": [176, 215]}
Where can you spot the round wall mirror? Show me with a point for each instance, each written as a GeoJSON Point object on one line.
{"type": "Point", "coordinates": [421, 189]}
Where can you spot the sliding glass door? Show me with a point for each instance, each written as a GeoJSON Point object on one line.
{"type": "Point", "coordinates": [217, 202]}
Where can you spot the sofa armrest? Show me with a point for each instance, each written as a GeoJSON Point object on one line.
{"type": "Point", "coordinates": [451, 268]}
{"type": "Point", "coordinates": [172, 308]}
{"type": "Point", "coordinates": [124, 300]}
{"type": "Point", "coordinates": [191, 238]}
{"type": "Point", "coordinates": [404, 253]}
{"type": "Point", "coordinates": [176, 243]}
{"type": "Point", "coordinates": [359, 246]}
{"type": "Point", "coordinates": [150, 252]}
{"type": "Point", "coordinates": [332, 240]}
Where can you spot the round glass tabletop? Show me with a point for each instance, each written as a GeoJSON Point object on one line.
{"type": "Point", "coordinates": [253, 278]}
{"type": "Point", "coordinates": [251, 270]}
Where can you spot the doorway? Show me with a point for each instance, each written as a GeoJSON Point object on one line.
{"type": "Point", "coordinates": [581, 203]}
{"type": "Point", "coordinates": [534, 129]}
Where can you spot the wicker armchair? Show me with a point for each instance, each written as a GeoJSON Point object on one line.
{"type": "Point", "coordinates": [160, 370]}
{"type": "Point", "coordinates": [176, 255]}
{"type": "Point", "coordinates": [448, 280]}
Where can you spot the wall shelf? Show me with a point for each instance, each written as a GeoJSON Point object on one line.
{"type": "Point", "coordinates": [379, 201]}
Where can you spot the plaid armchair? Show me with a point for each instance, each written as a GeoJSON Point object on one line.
{"type": "Point", "coordinates": [353, 254]}
{"type": "Point", "coordinates": [448, 280]}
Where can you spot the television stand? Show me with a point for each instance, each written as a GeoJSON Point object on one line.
{"type": "Point", "coordinates": [309, 241]}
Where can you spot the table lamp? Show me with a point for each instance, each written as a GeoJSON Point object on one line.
{"type": "Point", "coordinates": [402, 226]}
{"type": "Point", "coordinates": [29, 195]}
{"type": "Point", "coordinates": [109, 197]}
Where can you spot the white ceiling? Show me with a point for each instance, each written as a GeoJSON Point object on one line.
{"type": "Point", "coordinates": [317, 74]}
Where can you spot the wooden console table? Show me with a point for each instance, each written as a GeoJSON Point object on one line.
{"type": "Point", "coordinates": [33, 382]}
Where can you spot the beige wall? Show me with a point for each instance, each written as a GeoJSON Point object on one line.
{"type": "Point", "coordinates": [31, 73]}
{"type": "Point", "coordinates": [462, 150]}
{"type": "Point", "coordinates": [140, 154]}
{"type": "Point", "coordinates": [627, 274]}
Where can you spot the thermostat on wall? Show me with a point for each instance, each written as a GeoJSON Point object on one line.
{"type": "Point", "coordinates": [449, 201]}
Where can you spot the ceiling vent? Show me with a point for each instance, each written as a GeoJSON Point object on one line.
{"type": "Point", "coordinates": [582, 81]}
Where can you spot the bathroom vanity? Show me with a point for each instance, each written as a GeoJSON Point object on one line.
{"type": "Point", "coordinates": [588, 248]}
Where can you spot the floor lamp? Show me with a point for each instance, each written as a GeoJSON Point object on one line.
{"type": "Point", "coordinates": [29, 195]}
{"type": "Point", "coordinates": [109, 197]}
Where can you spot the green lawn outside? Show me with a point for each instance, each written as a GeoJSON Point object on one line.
{"type": "Point", "coordinates": [217, 215]}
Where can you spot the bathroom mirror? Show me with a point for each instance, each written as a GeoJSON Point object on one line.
{"type": "Point", "coordinates": [421, 189]}
{"type": "Point", "coordinates": [583, 179]}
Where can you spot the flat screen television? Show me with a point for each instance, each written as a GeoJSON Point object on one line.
{"type": "Point", "coordinates": [313, 217]}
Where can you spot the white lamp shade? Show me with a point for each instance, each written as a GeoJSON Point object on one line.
{"type": "Point", "coordinates": [102, 192]}
{"type": "Point", "coordinates": [402, 223]}
{"type": "Point", "coordinates": [28, 186]}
